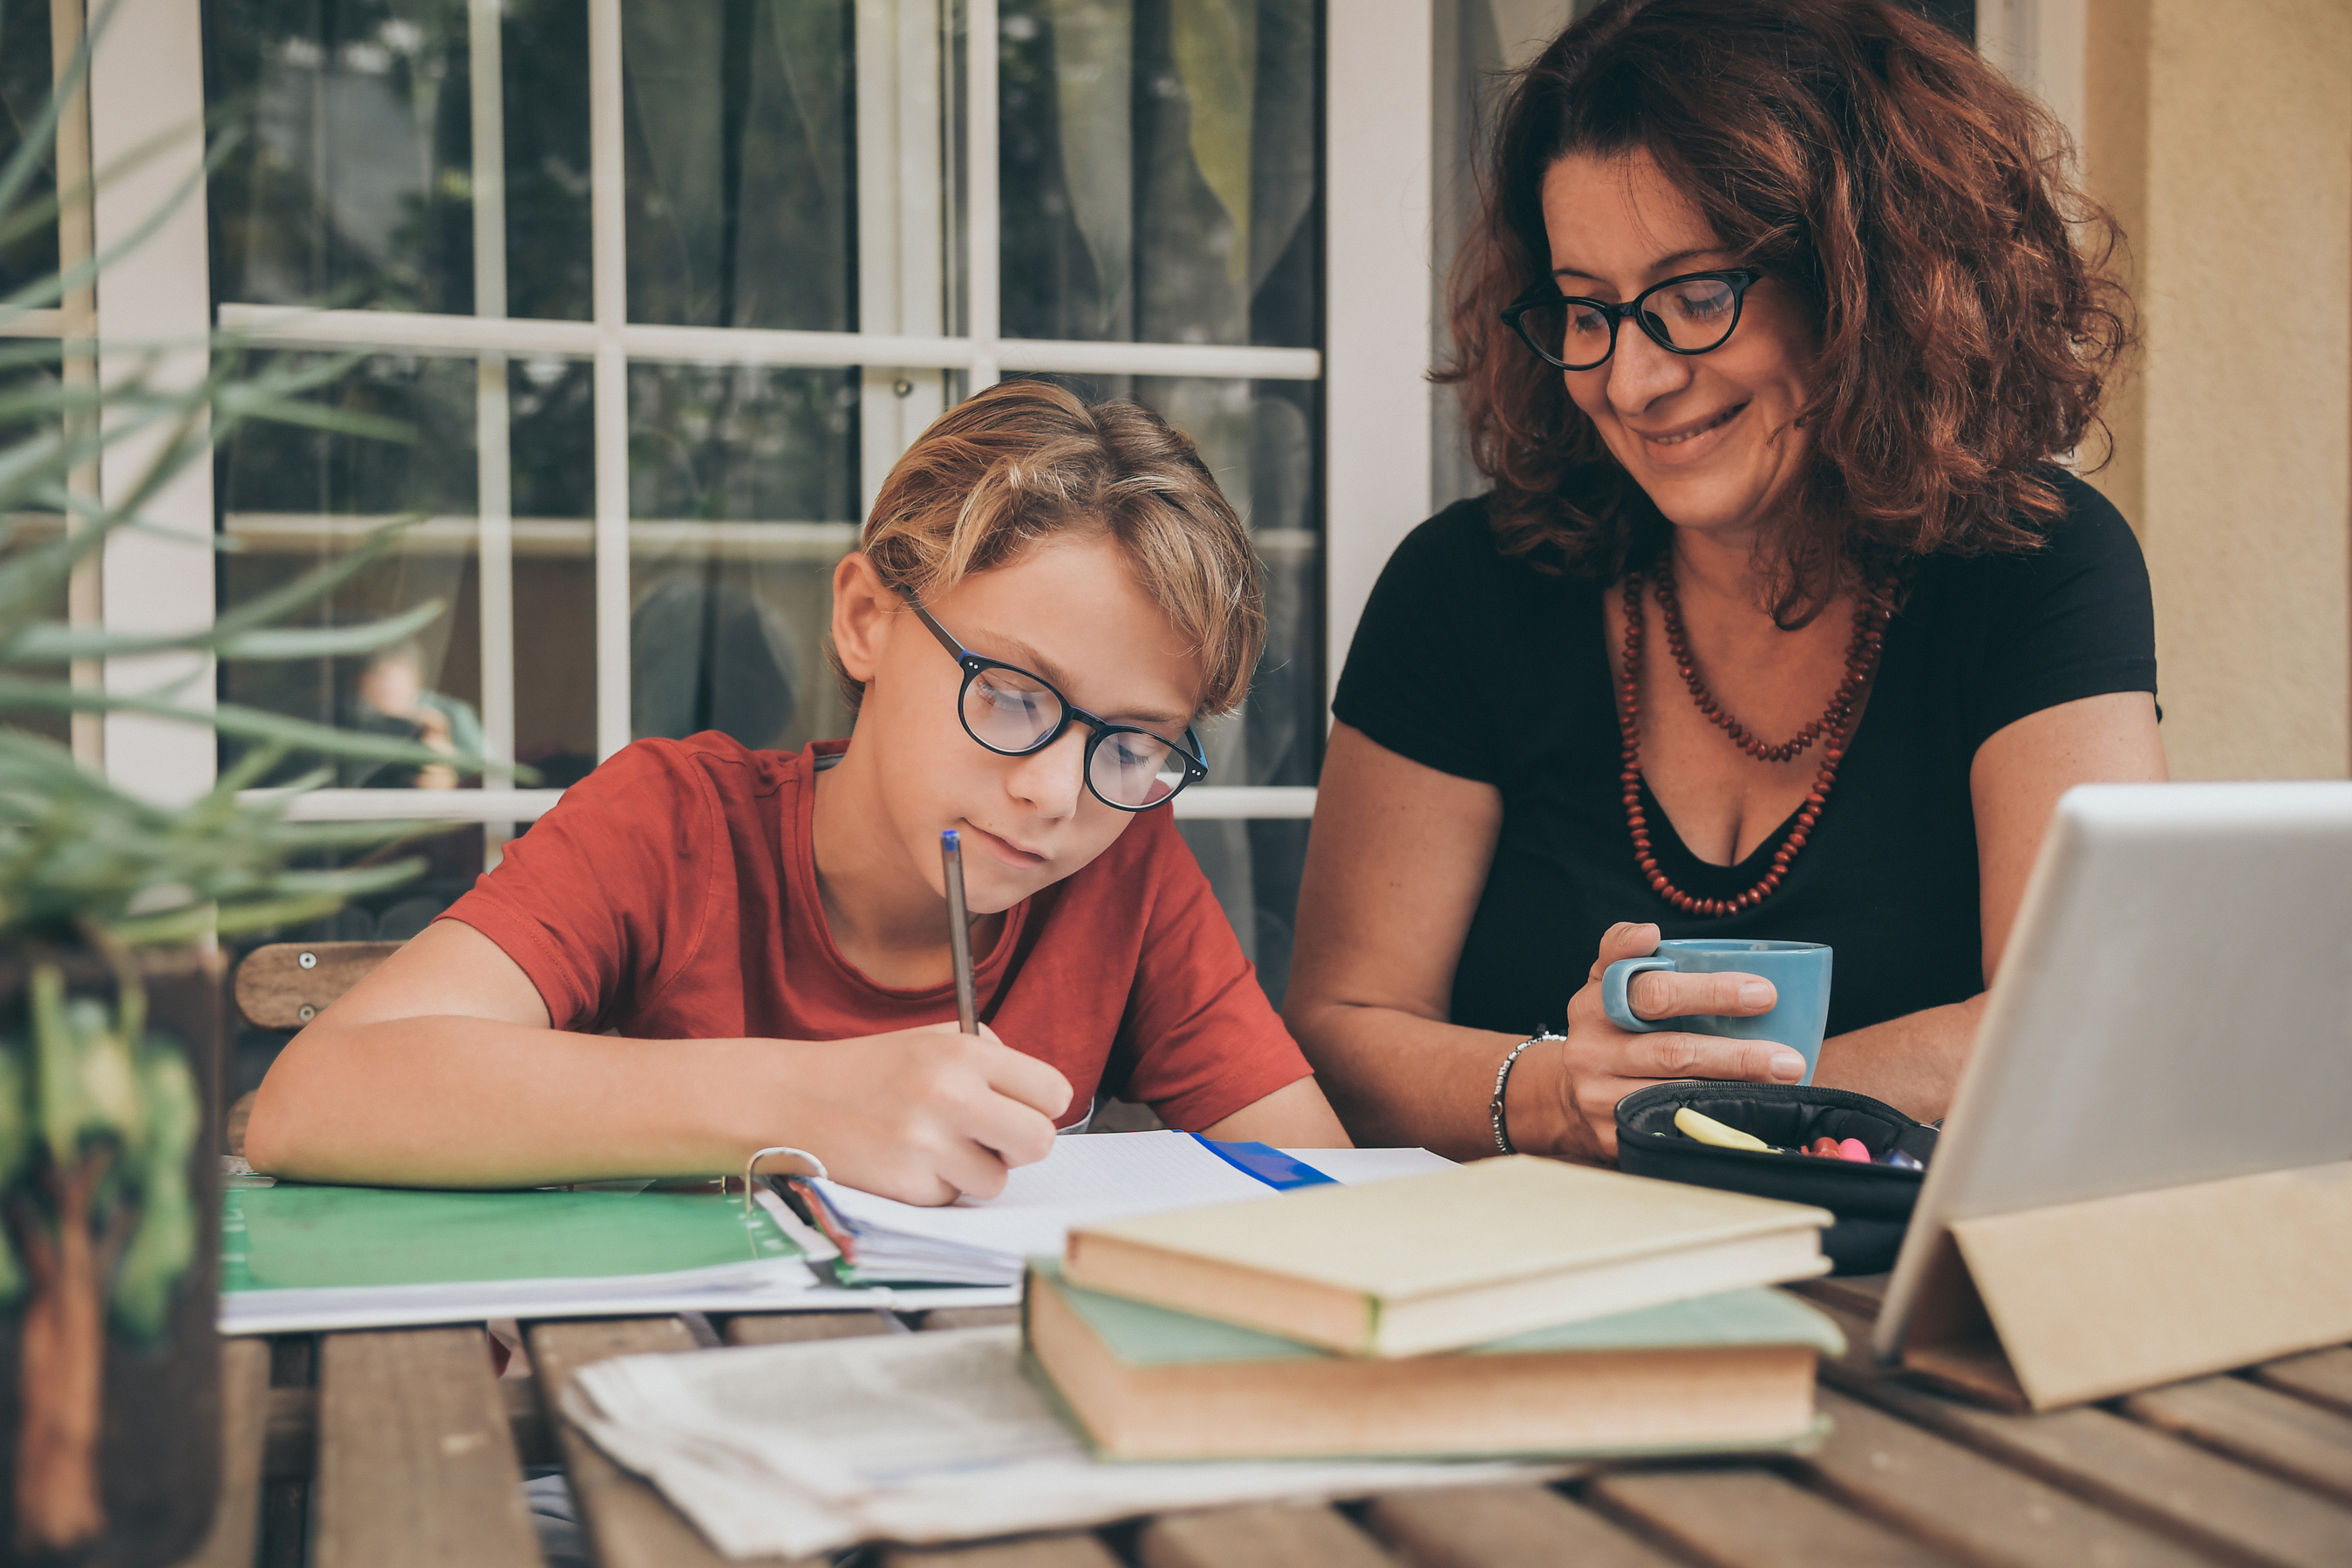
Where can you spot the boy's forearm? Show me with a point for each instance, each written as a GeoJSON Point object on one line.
{"type": "Point", "coordinates": [470, 1103]}
{"type": "Point", "coordinates": [1295, 1116]}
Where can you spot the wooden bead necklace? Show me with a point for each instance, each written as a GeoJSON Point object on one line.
{"type": "Point", "coordinates": [1835, 723]}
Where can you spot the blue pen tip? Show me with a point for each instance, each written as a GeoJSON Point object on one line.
{"type": "Point", "coordinates": [948, 839]}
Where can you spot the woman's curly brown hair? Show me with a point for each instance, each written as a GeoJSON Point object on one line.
{"type": "Point", "coordinates": [1920, 204]}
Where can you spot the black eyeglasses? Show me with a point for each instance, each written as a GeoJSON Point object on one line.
{"type": "Point", "coordinates": [1687, 315]}
{"type": "Point", "coordinates": [1012, 713]}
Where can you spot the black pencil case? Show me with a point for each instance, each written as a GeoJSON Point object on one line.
{"type": "Point", "coordinates": [1872, 1202]}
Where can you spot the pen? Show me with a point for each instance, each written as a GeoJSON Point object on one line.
{"type": "Point", "coordinates": [959, 931]}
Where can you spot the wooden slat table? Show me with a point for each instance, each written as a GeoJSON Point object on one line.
{"type": "Point", "coordinates": [395, 1447]}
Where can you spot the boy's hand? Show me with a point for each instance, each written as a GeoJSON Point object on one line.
{"type": "Point", "coordinates": [920, 1115]}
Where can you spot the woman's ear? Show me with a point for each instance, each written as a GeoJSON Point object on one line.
{"type": "Point", "coordinates": [863, 612]}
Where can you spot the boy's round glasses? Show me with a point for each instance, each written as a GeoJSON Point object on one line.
{"type": "Point", "coordinates": [1012, 713]}
{"type": "Point", "coordinates": [1687, 315]}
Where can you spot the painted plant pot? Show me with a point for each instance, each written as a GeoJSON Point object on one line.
{"type": "Point", "coordinates": [110, 1258]}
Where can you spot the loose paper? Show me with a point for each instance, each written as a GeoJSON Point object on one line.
{"type": "Point", "coordinates": [786, 1450]}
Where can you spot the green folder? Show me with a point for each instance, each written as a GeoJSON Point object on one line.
{"type": "Point", "coordinates": [294, 1236]}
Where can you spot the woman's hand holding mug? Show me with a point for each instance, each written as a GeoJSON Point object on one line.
{"type": "Point", "coordinates": [1567, 1105]}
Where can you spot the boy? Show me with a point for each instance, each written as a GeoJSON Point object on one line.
{"type": "Point", "coordinates": [1049, 596]}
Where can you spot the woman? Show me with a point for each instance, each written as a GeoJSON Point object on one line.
{"type": "Point", "coordinates": [1780, 620]}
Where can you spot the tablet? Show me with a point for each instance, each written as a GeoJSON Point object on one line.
{"type": "Point", "coordinates": [2174, 1006]}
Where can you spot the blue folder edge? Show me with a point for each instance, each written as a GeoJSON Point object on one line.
{"type": "Point", "coordinates": [1267, 1163]}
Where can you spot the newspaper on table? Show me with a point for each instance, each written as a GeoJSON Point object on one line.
{"type": "Point", "coordinates": [786, 1450]}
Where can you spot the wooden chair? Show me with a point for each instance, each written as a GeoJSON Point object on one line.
{"type": "Point", "coordinates": [285, 984]}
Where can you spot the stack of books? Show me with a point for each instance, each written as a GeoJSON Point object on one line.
{"type": "Point", "coordinates": [1514, 1307]}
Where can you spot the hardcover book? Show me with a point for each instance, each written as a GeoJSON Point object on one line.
{"type": "Point", "coordinates": [1727, 1372]}
{"type": "Point", "coordinates": [1452, 1259]}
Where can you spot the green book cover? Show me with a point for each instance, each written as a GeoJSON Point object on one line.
{"type": "Point", "coordinates": [295, 1237]}
{"type": "Point", "coordinates": [1141, 1334]}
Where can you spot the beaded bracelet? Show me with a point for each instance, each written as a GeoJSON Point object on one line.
{"type": "Point", "coordinates": [1502, 1081]}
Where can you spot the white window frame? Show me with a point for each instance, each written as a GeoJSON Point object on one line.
{"type": "Point", "coordinates": [138, 123]}
{"type": "Point", "coordinates": [1378, 127]}
{"type": "Point", "coordinates": [156, 68]}
{"type": "Point", "coordinates": [2043, 46]}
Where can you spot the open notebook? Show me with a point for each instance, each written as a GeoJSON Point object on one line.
{"type": "Point", "coordinates": [1085, 1180]}
{"type": "Point", "coordinates": [295, 1257]}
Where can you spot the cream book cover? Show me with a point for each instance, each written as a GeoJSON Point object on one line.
{"type": "Point", "coordinates": [1450, 1258]}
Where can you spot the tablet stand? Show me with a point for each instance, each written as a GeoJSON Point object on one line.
{"type": "Point", "coordinates": [2052, 1307]}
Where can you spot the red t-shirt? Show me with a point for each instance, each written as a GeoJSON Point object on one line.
{"type": "Point", "coordinates": [672, 895]}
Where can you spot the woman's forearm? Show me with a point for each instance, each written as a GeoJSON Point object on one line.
{"type": "Point", "coordinates": [1399, 1079]}
{"type": "Point", "coordinates": [1394, 866]}
{"type": "Point", "coordinates": [1913, 1063]}
{"type": "Point", "coordinates": [472, 1102]}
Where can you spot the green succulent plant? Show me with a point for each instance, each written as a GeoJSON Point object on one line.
{"type": "Point", "coordinates": [75, 851]}
{"type": "Point", "coordinates": [98, 1115]}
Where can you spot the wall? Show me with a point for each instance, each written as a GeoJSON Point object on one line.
{"type": "Point", "coordinates": [2222, 136]}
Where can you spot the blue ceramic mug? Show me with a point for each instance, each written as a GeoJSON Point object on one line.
{"type": "Point", "coordinates": [1799, 971]}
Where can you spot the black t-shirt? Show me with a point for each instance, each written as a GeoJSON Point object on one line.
{"type": "Point", "coordinates": [1480, 665]}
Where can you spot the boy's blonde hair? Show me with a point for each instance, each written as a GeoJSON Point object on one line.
{"type": "Point", "coordinates": [1024, 460]}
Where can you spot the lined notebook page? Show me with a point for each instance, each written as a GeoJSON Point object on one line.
{"type": "Point", "coordinates": [1083, 1181]}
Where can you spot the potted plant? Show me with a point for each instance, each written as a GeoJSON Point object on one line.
{"type": "Point", "coordinates": [109, 906]}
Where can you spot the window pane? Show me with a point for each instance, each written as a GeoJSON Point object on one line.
{"type": "Point", "coordinates": [25, 63]}
{"type": "Point", "coordinates": [742, 494]}
{"type": "Point", "coordinates": [552, 416]}
{"type": "Point", "coordinates": [1158, 170]}
{"type": "Point", "coordinates": [742, 178]}
{"type": "Point", "coordinates": [544, 60]}
{"type": "Point", "coordinates": [295, 498]}
{"type": "Point", "coordinates": [352, 183]}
